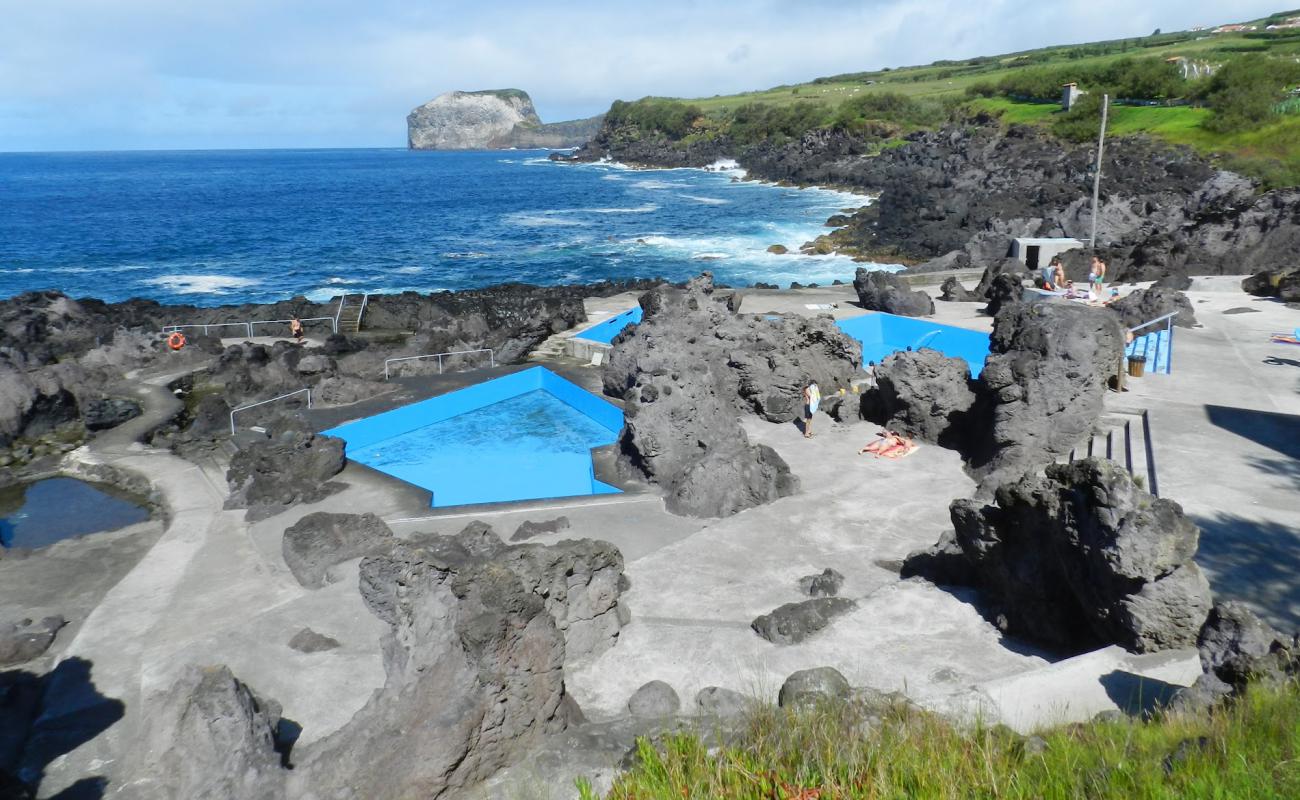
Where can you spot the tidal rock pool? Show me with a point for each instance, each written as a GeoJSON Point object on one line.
{"type": "Point", "coordinates": [41, 513]}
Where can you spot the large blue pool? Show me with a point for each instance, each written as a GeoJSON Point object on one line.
{"type": "Point", "coordinates": [524, 436]}
{"type": "Point", "coordinates": [882, 334]}
{"type": "Point", "coordinates": [605, 332]}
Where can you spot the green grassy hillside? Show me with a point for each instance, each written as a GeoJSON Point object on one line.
{"type": "Point", "coordinates": [1244, 114]}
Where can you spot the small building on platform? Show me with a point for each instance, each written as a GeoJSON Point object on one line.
{"type": "Point", "coordinates": [1038, 252]}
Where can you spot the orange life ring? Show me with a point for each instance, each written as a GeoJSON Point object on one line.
{"type": "Point", "coordinates": [176, 341]}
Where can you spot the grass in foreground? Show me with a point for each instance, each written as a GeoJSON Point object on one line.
{"type": "Point", "coordinates": [1247, 750]}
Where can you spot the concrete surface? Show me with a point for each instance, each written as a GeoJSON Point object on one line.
{"type": "Point", "coordinates": [1079, 688]}
{"type": "Point", "coordinates": [1226, 427]}
{"type": "Point", "coordinates": [214, 589]}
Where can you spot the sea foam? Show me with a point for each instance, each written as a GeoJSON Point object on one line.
{"type": "Point", "coordinates": [200, 284]}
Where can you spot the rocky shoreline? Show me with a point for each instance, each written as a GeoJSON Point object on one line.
{"type": "Point", "coordinates": [953, 198]}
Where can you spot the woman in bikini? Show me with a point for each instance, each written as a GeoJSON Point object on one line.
{"type": "Point", "coordinates": [890, 445]}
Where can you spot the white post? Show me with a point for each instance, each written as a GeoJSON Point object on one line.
{"type": "Point", "coordinates": [1096, 175]}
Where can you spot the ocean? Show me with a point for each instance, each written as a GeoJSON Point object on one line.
{"type": "Point", "coordinates": [214, 227]}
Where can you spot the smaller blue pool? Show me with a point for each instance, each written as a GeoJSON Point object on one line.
{"type": "Point", "coordinates": [605, 332]}
{"type": "Point", "coordinates": [525, 436]}
{"type": "Point", "coordinates": [882, 334]}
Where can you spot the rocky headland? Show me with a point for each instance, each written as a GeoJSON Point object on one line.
{"type": "Point", "coordinates": [492, 119]}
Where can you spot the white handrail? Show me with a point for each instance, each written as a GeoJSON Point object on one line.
{"type": "Point", "coordinates": [491, 356]}
{"type": "Point", "coordinates": [1151, 322]}
{"type": "Point", "coordinates": [205, 325]}
{"type": "Point", "coordinates": [339, 313]}
{"type": "Point", "coordinates": [247, 325]}
{"type": "Point", "coordinates": [282, 321]}
{"type": "Point", "coordinates": [234, 411]}
{"type": "Point", "coordinates": [365, 299]}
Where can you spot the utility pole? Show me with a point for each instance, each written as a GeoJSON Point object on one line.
{"type": "Point", "coordinates": [1096, 173]}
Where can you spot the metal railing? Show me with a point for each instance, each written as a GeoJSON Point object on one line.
{"type": "Point", "coordinates": [235, 411]}
{"type": "Point", "coordinates": [247, 325]}
{"type": "Point", "coordinates": [365, 300]}
{"type": "Point", "coordinates": [333, 323]}
{"type": "Point", "coordinates": [1168, 319]}
{"type": "Point", "coordinates": [491, 358]}
{"type": "Point", "coordinates": [343, 299]}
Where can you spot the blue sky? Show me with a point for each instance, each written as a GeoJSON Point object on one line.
{"type": "Point", "coordinates": [138, 74]}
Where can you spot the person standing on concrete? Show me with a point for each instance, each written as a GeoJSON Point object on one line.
{"type": "Point", "coordinates": [1097, 279]}
{"type": "Point", "coordinates": [812, 398]}
{"type": "Point", "coordinates": [295, 329]}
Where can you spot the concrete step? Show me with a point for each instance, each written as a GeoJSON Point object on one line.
{"type": "Point", "coordinates": [1121, 437]}
{"type": "Point", "coordinates": [1079, 688]}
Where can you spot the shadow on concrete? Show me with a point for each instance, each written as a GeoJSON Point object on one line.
{"type": "Point", "coordinates": [71, 713]}
{"type": "Point", "coordinates": [1253, 561]}
{"type": "Point", "coordinates": [1135, 694]}
{"type": "Point", "coordinates": [1280, 432]}
{"type": "Point", "coordinates": [1277, 361]}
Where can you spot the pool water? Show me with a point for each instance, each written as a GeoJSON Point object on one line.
{"type": "Point", "coordinates": [42, 513]}
{"type": "Point", "coordinates": [883, 334]}
{"type": "Point", "coordinates": [605, 332]}
{"type": "Point", "coordinates": [524, 436]}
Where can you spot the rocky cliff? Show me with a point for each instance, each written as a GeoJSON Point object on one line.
{"type": "Point", "coordinates": [955, 197]}
{"type": "Point", "coordinates": [490, 119]}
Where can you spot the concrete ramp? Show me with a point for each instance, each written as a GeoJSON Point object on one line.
{"type": "Point", "coordinates": [1079, 688]}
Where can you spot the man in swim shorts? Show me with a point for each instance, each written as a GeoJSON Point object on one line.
{"type": "Point", "coordinates": [812, 397]}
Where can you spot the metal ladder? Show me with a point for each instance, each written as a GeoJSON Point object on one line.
{"type": "Point", "coordinates": [348, 318]}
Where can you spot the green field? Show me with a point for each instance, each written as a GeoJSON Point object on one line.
{"type": "Point", "coordinates": [1269, 151]}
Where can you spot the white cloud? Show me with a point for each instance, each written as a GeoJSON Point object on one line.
{"type": "Point", "coordinates": [276, 72]}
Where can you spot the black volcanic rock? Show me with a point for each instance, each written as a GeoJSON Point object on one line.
{"type": "Point", "coordinates": [23, 639]}
{"type": "Point", "coordinates": [1007, 266]}
{"type": "Point", "coordinates": [686, 373]}
{"type": "Point", "coordinates": [1076, 560]}
{"type": "Point", "coordinates": [879, 290]}
{"type": "Point", "coordinates": [1044, 379]}
{"type": "Point", "coordinates": [1007, 289]}
{"type": "Point", "coordinates": [926, 395]}
{"type": "Point", "coordinates": [289, 467]}
{"type": "Point", "coordinates": [959, 194]}
{"type": "Point", "coordinates": [1148, 304]}
{"type": "Point", "coordinates": [321, 540]}
{"type": "Point", "coordinates": [475, 678]}
{"type": "Point", "coordinates": [1236, 646]}
{"type": "Point", "coordinates": [794, 622]}
{"type": "Point", "coordinates": [1282, 283]}
{"type": "Point", "coordinates": [109, 412]}
{"type": "Point", "coordinates": [952, 291]}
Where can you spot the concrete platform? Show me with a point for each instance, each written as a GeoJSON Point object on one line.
{"type": "Point", "coordinates": [214, 588]}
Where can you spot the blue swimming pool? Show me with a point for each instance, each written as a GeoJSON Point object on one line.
{"type": "Point", "coordinates": [525, 436]}
{"type": "Point", "coordinates": [605, 332]}
{"type": "Point", "coordinates": [882, 334]}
